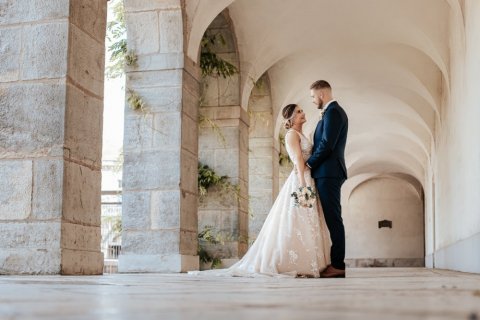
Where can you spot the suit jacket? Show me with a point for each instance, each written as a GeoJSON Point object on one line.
{"type": "Point", "coordinates": [329, 140]}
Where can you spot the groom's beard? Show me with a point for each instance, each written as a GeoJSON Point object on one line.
{"type": "Point", "coordinates": [320, 104]}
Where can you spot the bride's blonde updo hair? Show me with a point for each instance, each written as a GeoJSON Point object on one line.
{"type": "Point", "coordinates": [288, 115]}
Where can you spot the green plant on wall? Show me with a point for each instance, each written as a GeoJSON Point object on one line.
{"type": "Point", "coordinates": [131, 58]}
{"type": "Point", "coordinates": [208, 236]}
{"type": "Point", "coordinates": [208, 178]}
{"type": "Point", "coordinates": [283, 158]}
{"type": "Point", "coordinates": [135, 101]}
{"type": "Point", "coordinates": [205, 257]}
{"type": "Point", "coordinates": [204, 121]}
{"type": "Point", "coordinates": [210, 63]}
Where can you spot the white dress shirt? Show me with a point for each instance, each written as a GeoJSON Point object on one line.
{"type": "Point", "coordinates": [327, 105]}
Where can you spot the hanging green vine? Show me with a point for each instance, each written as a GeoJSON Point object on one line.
{"type": "Point", "coordinates": [208, 178]}
{"type": "Point", "coordinates": [204, 121]}
{"type": "Point", "coordinates": [210, 63]}
{"type": "Point", "coordinates": [213, 65]}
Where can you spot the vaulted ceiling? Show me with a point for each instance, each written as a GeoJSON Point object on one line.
{"type": "Point", "coordinates": [387, 61]}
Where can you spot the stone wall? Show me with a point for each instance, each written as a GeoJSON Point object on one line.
{"type": "Point", "coordinates": [262, 157]}
{"type": "Point", "coordinates": [227, 213]}
{"type": "Point", "coordinates": [160, 144]}
{"type": "Point", "coordinates": [457, 158]}
{"type": "Point", "coordinates": [384, 198]}
{"type": "Point", "coordinates": [51, 107]}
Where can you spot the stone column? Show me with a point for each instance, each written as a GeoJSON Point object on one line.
{"type": "Point", "coordinates": [160, 144]}
{"type": "Point", "coordinates": [227, 213]}
{"type": "Point", "coordinates": [51, 108]}
{"type": "Point", "coordinates": [263, 157]}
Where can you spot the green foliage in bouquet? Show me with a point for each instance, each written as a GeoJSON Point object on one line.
{"type": "Point", "coordinates": [304, 197]}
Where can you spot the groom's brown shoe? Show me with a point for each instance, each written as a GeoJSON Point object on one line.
{"type": "Point", "coordinates": [331, 272]}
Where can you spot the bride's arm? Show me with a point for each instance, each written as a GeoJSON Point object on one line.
{"type": "Point", "coordinates": [293, 140]}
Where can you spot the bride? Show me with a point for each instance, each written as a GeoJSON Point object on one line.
{"type": "Point", "coordinates": [294, 240]}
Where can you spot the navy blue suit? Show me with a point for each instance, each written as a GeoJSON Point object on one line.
{"type": "Point", "coordinates": [327, 164]}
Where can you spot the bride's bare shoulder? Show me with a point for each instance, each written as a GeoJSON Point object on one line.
{"type": "Point", "coordinates": [292, 132]}
{"type": "Point", "coordinates": [292, 137]}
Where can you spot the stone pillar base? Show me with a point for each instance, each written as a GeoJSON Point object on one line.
{"type": "Point", "coordinates": [386, 262]}
{"type": "Point", "coordinates": [227, 263]}
{"type": "Point", "coordinates": [173, 263]}
{"type": "Point", "coordinates": [75, 262]}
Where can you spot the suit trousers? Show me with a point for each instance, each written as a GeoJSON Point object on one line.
{"type": "Point", "coordinates": [329, 192]}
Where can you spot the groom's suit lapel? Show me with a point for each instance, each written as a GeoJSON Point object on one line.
{"type": "Point", "coordinates": [318, 130]}
{"type": "Point", "coordinates": [319, 127]}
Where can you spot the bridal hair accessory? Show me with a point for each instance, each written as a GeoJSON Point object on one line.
{"type": "Point", "coordinates": [288, 114]}
{"type": "Point", "coordinates": [289, 122]}
{"type": "Point", "coordinates": [304, 197]}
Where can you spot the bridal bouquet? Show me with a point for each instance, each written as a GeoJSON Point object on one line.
{"type": "Point", "coordinates": [304, 197]}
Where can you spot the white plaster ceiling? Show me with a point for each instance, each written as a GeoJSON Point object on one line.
{"type": "Point", "coordinates": [387, 61]}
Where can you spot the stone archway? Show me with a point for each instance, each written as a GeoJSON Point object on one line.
{"type": "Point", "coordinates": [223, 145]}
{"type": "Point", "coordinates": [396, 199]}
{"type": "Point", "coordinates": [263, 158]}
{"type": "Point", "coordinates": [416, 77]}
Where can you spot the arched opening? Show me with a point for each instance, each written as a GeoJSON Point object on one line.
{"type": "Point", "coordinates": [263, 156]}
{"type": "Point", "coordinates": [384, 222]}
{"type": "Point", "coordinates": [116, 53]}
{"type": "Point", "coordinates": [409, 87]}
{"type": "Point", "coordinates": [388, 81]}
{"type": "Point", "coordinates": [223, 148]}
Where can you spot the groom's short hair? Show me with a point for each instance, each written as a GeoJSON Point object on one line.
{"type": "Point", "coordinates": [320, 84]}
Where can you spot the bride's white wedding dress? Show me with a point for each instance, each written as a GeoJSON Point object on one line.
{"type": "Point", "coordinates": [293, 241]}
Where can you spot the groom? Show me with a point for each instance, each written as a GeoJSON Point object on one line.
{"type": "Point", "coordinates": [327, 164]}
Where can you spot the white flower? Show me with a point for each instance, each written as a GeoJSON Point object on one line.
{"type": "Point", "coordinates": [304, 197]}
